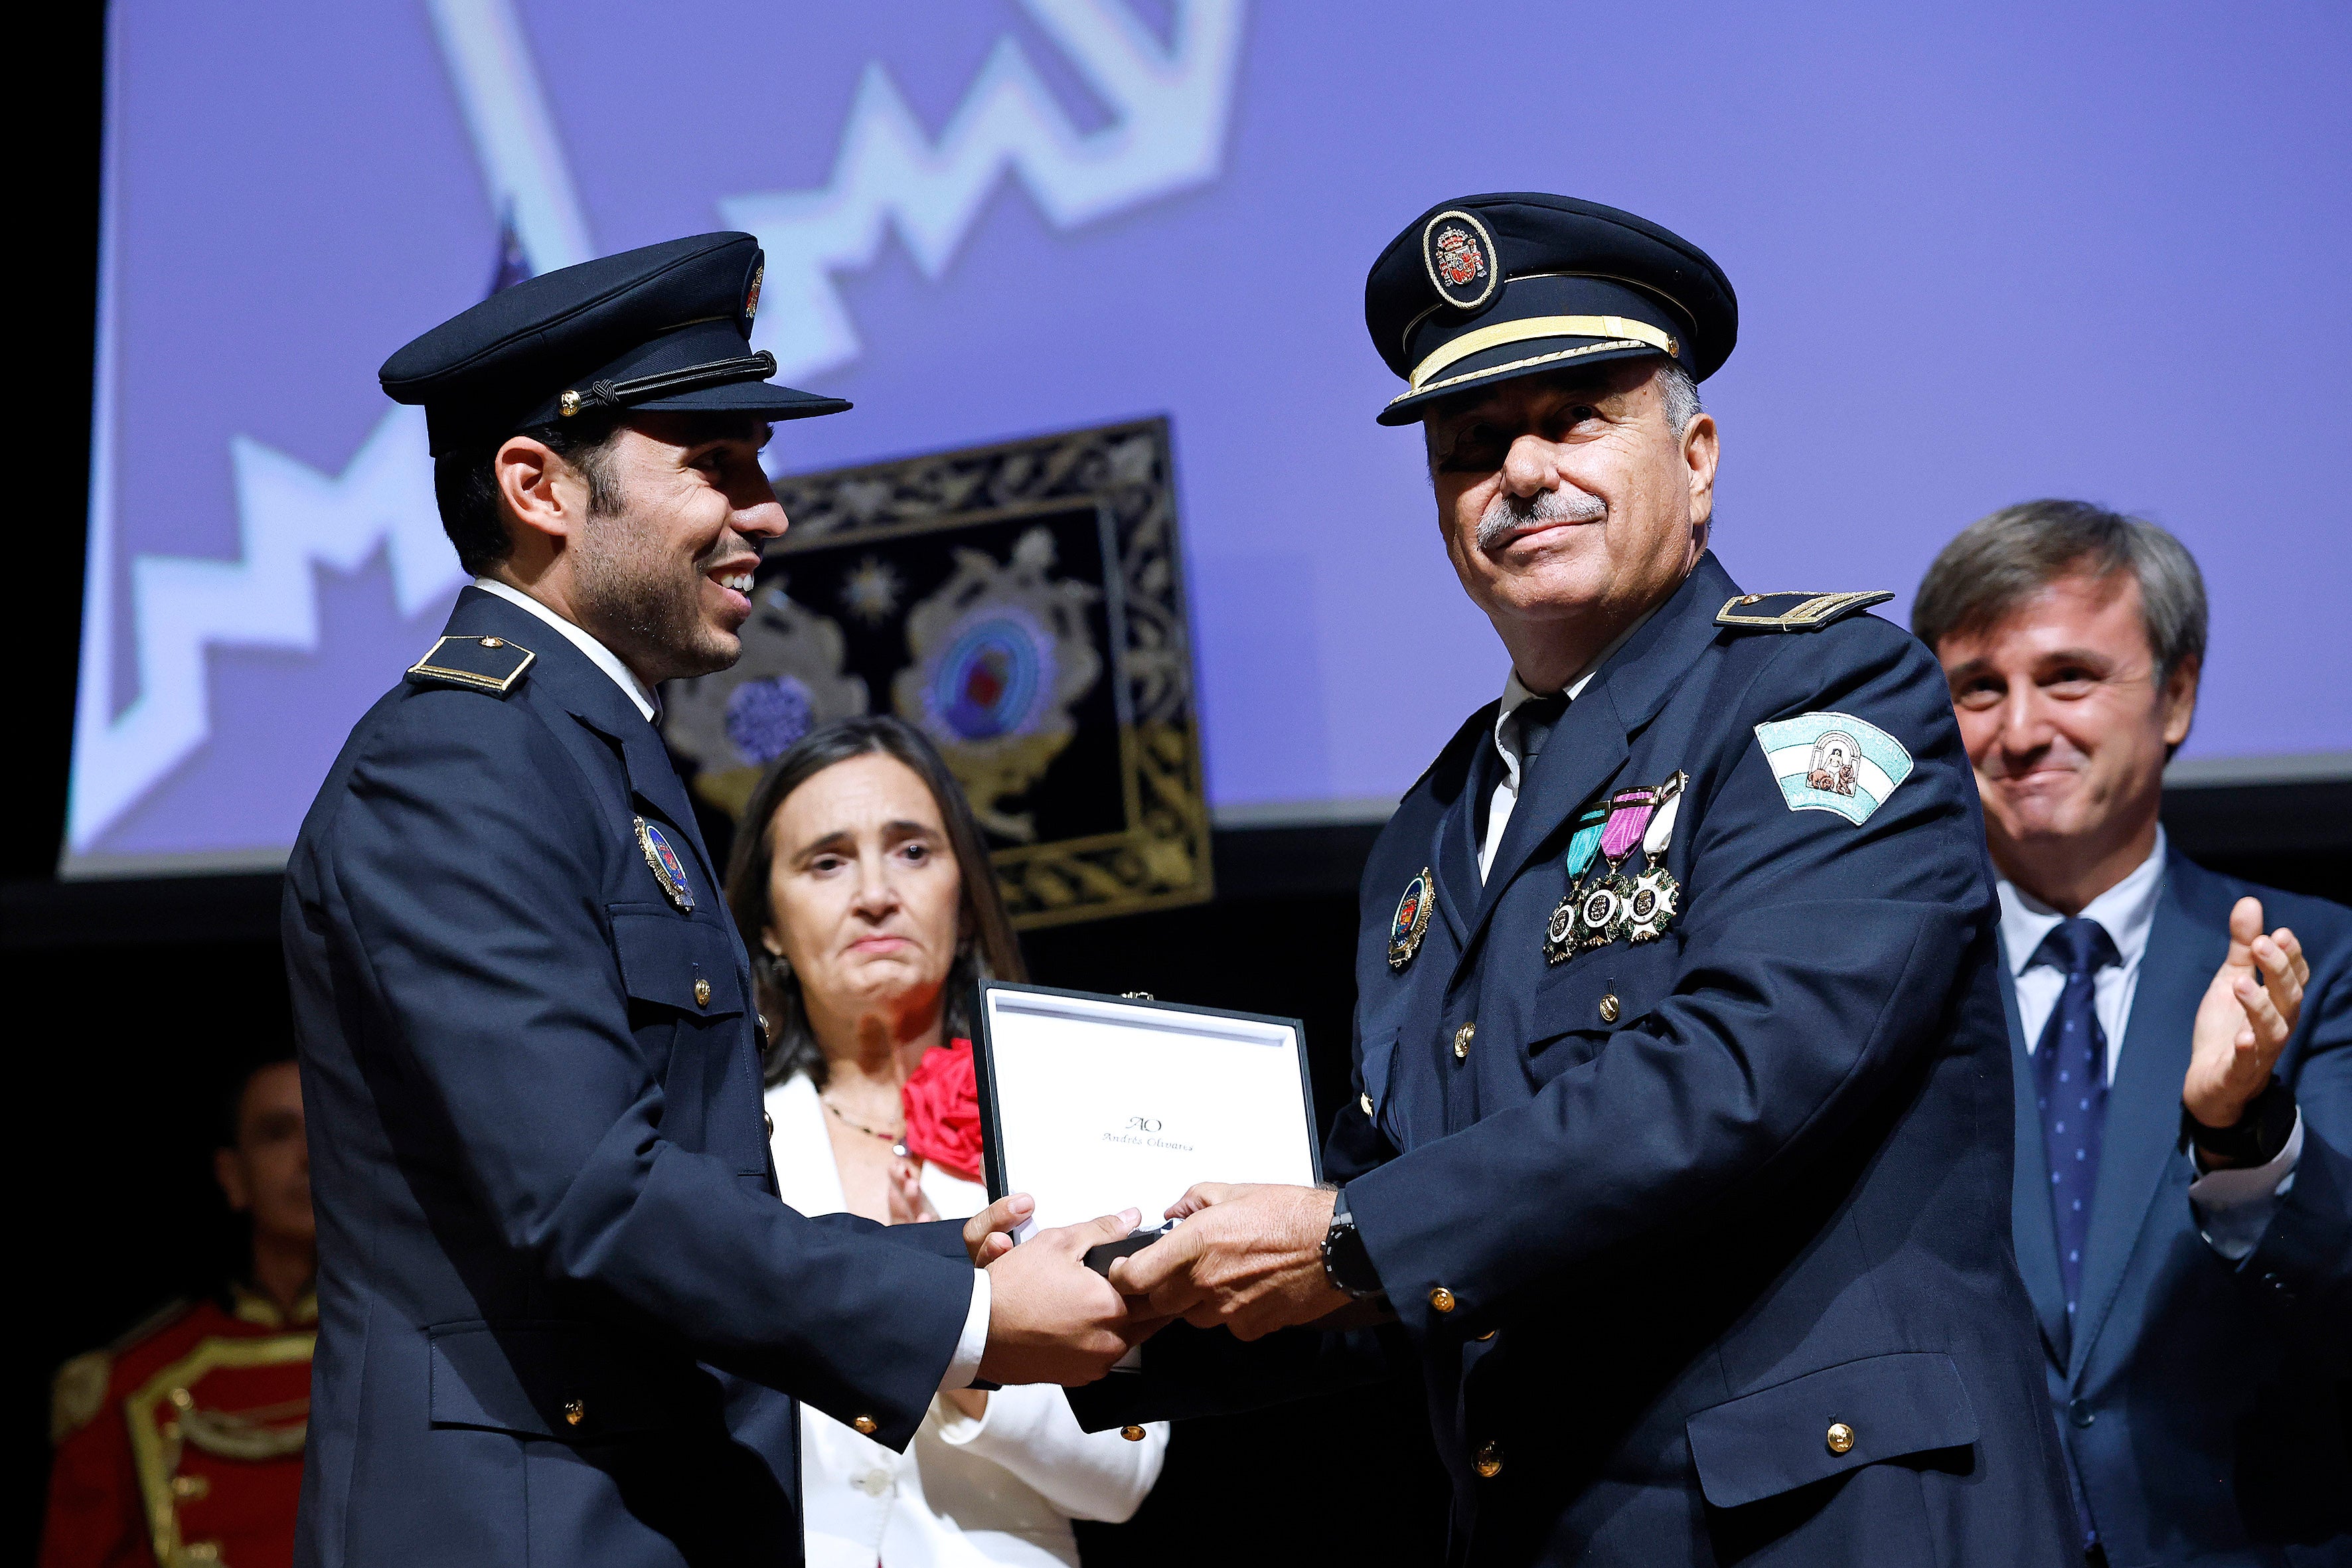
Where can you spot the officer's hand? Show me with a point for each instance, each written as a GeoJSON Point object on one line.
{"type": "Point", "coordinates": [988, 1234]}
{"type": "Point", "coordinates": [1051, 1319]}
{"type": "Point", "coordinates": [2245, 1020]}
{"type": "Point", "coordinates": [1250, 1257]}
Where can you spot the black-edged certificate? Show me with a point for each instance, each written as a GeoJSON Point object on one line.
{"type": "Point", "coordinates": [1093, 1104]}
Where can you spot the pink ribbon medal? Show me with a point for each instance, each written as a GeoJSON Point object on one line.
{"type": "Point", "coordinates": [1629, 815]}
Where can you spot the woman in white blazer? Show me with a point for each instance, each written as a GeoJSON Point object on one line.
{"type": "Point", "coordinates": [862, 889]}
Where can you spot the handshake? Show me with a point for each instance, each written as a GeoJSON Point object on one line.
{"type": "Point", "coordinates": [1247, 1258]}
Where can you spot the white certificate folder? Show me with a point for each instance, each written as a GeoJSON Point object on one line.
{"type": "Point", "coordinates": [1094, 1104]}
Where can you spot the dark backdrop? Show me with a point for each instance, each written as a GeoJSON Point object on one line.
{"type": "Point", "coordinates": [133, 1005]}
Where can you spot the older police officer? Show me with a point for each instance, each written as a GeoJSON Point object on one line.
{"type": "Point", "coordinates": [563, 1313]}
{"type": "Point", "coordinates": [1680, 1148]}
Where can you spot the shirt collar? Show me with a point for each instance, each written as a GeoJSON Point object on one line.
{"type": "Point", "coordinates": [2126, 910]}
{"type": "Point", "coordinates": [600, 656]}
{"type": "Point", "coordinates": [1516, 691]}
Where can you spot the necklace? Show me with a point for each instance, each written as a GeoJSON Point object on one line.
{"type": "Point", "coordinates": [898, 1140]}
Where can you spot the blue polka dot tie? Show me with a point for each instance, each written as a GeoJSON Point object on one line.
{"type": "Point", "coordinates": [2070, 1071]}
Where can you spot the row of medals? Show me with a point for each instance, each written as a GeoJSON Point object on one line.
{"type": "Point", "coordinates": [1605, 904]}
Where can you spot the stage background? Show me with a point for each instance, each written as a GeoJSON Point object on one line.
{"type": "Point", "coordinates": [1985, 253]}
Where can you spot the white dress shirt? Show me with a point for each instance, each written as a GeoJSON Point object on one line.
{"type": "Point", "coordinates": [1002, 1489]}
{"type": "Point", "coordinates": [2233, 1206]}
{"type": "Point", "coordinates": [1505, 797]}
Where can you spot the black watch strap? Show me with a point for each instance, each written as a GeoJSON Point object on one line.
{"type": "Point", "coordinates": [2259, 1136]}
{"type": "Point", "coordinates": [1347, 1262]}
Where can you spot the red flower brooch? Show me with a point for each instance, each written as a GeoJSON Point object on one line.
{"type": "Point", "coordinates": [943, 1100]}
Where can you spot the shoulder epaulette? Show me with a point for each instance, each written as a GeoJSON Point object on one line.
{"type": "Point", "coordinates": [78, 1391]}
{"type": "Point", "coordinates": [1795, 612]}
{"type": "Point", "coordinates": [479, 664]}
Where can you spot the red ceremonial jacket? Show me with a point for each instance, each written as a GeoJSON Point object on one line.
{"type": "Point", "coordinates": [181, 1443]}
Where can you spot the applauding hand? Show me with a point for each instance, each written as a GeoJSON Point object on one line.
{"type": "Point", "coordinates": [2243, 1022]}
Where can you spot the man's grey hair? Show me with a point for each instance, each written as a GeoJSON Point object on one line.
{"type": "Point", "coordinates": [1999, 561]}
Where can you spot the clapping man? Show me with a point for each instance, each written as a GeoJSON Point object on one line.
{"type": "Point", "coordinates": [2183, 1060]}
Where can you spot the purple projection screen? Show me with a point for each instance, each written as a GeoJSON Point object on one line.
{"type": "Point", "coordinates": [1983, 254]}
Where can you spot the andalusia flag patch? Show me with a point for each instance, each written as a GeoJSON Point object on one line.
{"type": "Point", "coordinates": [1833, 762]}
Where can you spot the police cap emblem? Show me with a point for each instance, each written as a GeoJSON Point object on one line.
{"type": "Point", "coordinates": [1460, 256]}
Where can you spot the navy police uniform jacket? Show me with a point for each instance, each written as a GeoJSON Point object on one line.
{"type": "Point", "coordinates": [563, 1314]}
{"type": "Point", "coordinates": [1700, 1244]}
{"type": "Point", "coordinates": [2203, 1403]}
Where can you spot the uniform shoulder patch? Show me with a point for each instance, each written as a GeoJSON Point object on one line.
{"type": "Point", "coordinates": [1833, 762]}
{"type": "Point", "coordinates": [477, 663]}
{"type": "Point", "coordinates": [1795, 612]}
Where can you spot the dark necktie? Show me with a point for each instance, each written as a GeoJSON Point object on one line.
{"type": "Point", "coordinates": [1537, 716]}
{"type": "Point", "coordinates": [2070, 1071]}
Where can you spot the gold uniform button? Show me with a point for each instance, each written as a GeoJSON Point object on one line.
{"type": "Point", "coordinates": [494, 642]}
{"type": "Point", "coordinates": [701, 992]}
{"type": "Point", "coordinates": [1840, 1438]}
{"type": "Point", "coordinates": [867, 1425]}
{"type": "Point", "coordinates": [769, 1121]}
{"type": "Point", "coordinates": [1489, 1461]}
{"type": "Point", "coordinates": [1441, 1300]}
{"type": "Point", "coordinates": [1461, 1039]}
{"type": "Point", "coordinates": [575, 1411]}
{"type": "Point", "coordinates": [1609, 1008]}
{"type": "Point", "coordinates": [1366, 1102]}
{"type": "Point", "coordinates": [1132, 1434]}
{"type": "Point", "coordinates": [1485, 1337]}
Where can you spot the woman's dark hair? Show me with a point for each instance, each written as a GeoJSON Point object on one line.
{"type": "Point", "coordinates": [987, 950]}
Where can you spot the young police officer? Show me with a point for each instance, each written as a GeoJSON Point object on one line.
{"type": "Point", "coordinates": [1680, 1146]}
{"type": "Point", "coordinates": [562, 1314]}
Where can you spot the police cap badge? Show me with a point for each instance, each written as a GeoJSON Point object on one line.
{"type": "Point", "coordinates": [1484, 288]}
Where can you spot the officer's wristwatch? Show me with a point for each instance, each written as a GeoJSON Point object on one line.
{"type": "Point", "coordinates": [1347, 1263]}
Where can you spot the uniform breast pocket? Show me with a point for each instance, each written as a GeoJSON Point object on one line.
{"type": "Point", "coordinates": [1578, 1003]}
{"type": "Point", "coordinates": [688, 1008]}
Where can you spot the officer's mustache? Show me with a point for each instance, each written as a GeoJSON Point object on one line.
{"type": "Point", "coordinates": [1508, 515]}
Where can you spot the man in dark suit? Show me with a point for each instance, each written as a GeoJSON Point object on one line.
{"type": "Point", "coordinates": [2184, 1080]}
{"type": "Point", "coordinates": [562, 1313]}
{"type": "Point", "coordinates": [1668, 1149]}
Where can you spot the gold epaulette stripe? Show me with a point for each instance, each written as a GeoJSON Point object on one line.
{"type": "Point", "coordinates": [501, 685]}
{"type": "Point", "coordinates": [1812, 610]}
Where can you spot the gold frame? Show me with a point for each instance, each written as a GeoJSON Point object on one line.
{"type": "Point", "coordinates": [1160, 860]}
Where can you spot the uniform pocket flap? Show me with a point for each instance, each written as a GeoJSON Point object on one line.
{"type": "Point", "coordinates": [1790, 1436]}
{"type": "Point", "coordinates": [549, 1380]}
{"type": "Point", "coordinates": [674, 962]}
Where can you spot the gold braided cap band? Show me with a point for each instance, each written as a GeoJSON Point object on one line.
{"type": "Point", "coordinates": [1622, 332]}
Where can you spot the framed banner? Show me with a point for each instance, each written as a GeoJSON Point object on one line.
{"type": "Point", "coordinates": [1022, 604]}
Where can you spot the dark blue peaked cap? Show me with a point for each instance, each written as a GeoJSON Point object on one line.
{"type": "Point", "coordinates": [662, 329]}
{"type": "Point", "coordinates": [1484, 288]}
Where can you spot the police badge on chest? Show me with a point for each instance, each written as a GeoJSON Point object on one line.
{"type": "Point", "coordinates": [1607, 903]}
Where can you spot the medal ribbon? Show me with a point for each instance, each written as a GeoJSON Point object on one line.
{"type": "Point", "coordinates": [1629, 813]}
{"type": "Point", "coordinates": [1587, 840]}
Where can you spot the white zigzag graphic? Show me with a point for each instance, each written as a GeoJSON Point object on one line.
{"type": "Point", "coordinates": [1171, 105]}
{"type": "Point", "coordinates": [292, 519]}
